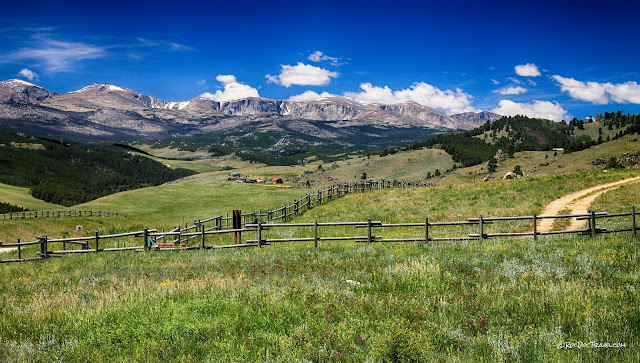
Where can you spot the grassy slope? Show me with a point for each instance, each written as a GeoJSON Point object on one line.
{"type": "Point", "coordinates": [485, 300]}
{"type": "Point", "coordinates": [412, 166]}
{"type": "Point", "coordinates": [541, 163]}
{"type": "Point", "coordinates": [197, 197]}
{"type": "Point", "coordinates": [172, 204]}
{"type": "Point", "coordinates": [20, 196]}
{"type": "Point", "coordinates": [199, 161]}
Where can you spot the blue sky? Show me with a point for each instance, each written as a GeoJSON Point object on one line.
{"type": "Point", "coordinates": [574, 58]}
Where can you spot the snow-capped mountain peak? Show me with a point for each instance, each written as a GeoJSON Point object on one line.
{"type": "Point", "coordinates": [17, 90]}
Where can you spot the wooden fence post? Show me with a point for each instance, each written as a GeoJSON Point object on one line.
{"type": "Point", "coordinates": [481, 228]}
{"type": "Point", "coordinates": [369, 230]}
{"type": "Point", "coordinates": [259, 233]}
{"type": "Point", "coordinates": [593, 224]}
{"type": "Point", "coordinates": [19, 250]}
{"type": "Point", "coordinates": [426, 230]}
{"type": "Point", "coordinates": [64, 244]}
{"type": "Point", "coordinates": [97, 239]}
{"type": "Point", "coordinates": [535, 227]}
{"type": "Point", "coordinates": [633, 219]}
{"type": "Point", "coordinates": [43, 247]}
{"type": "Point", "coordinates": [315, 233]}
{"type": "Point", "coordinates": [145, 239]}
{"type": "Point", "coordinates": [237, 224]}
{"type": "Point", "coordinates": [203, 236]}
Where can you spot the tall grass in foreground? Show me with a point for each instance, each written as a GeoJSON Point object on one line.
{"type": "Point", "coordinates": [507, 300]}
{"type": "Point", "coordinates": [498, 299]}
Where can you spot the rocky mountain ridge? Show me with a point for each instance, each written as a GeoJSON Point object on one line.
{"type": "Point", "coordinates": [103, 109]}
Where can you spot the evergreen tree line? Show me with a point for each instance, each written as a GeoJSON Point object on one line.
{"type": "Point", "coordinates": [519, 133]}
{"type": "Point", "coordinates": [69, 175]}
{"type": "Point", "coordinates": [10, 208]}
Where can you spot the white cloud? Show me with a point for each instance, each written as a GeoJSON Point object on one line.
{"type": "Point", "coordinates": [527, 70]}
{"type": "Point", "coordinates": [514, 80]}
{"type": "Point", "coordinates": [538, 109]}
{"type": "Point", "coordinates": [203, 83]}
{"type": "Point", "coordinates": [593, 92]}
{"type": "Point", "coordinates": [226, 79]}
{"type": "Point", "coordinates": [449, 101]}
{"type": "Point", "coordinates": [29, 74]}
{"type": "Point", "coordinates": [162, 43]}
{"type": "Point", "coordinates": [628, 92]}
{"type": "Point", "coordinates": [531, 82]}
{"type": "Point", "coordinates": [318, 56]}
{"type": "Point", "coordinates": [303, 75]}
{"type": "Point", "coordinates": [495, 81]}
{"type": "Point", "coordinates": [511, 90]}
{"type": "Point", "coordinates": [310, 95]}
{"type": "Point", "coordinates": [233, 90]}
{"type": "Point", "coordinates": [600, 93]}
{"type": "Point", "coordinates": [56, 55]}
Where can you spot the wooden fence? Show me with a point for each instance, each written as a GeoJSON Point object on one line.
{"type": "Point", "coordinates": [199, 233]}
{"type": "Point", "coordinates": [59, 214]}
{"type": "Point", "coordinates": [428, 227]}
{"type": "Point", "coordinates": [287, 211]}
{"type": "Point", "coordinates": [200, 228]}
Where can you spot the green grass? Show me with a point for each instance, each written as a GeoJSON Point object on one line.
{"type": "Point", "coordinates": [544, 163]}
{"type": "Point", "coordinates": [490, 300]}
{"type": "Point", "coordinates": [20, 196]}
{"type": "Point", "coordinates": [411, 166]}
{"type": "Point", "coordinates": [198, 197]}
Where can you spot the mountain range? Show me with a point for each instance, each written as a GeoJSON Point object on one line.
{"type": "Point", "coordinates": [106, 111]}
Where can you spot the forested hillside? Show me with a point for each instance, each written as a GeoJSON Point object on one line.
{"type": "Point", "coordinates": [71, 174]}
{"type": "Point", "coordinates": [521, 133]}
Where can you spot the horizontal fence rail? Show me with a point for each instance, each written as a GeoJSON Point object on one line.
{"type": "Point", "coordinates": [59, 214]}
{"type": "Point", "coordinates": [308, 201]}
{"type": "Point", "coordinates": [368, 231]}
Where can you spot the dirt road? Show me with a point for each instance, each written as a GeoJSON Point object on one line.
{"type": "Point", "coordinates": [578, 203]}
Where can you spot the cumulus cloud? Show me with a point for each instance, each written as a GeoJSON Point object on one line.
{"type": "Point", "coordinates": [628, 92]}
{"type": "Point", "coordinates": [538, 109]}
{"type": "Point", "coordinates": [310, 95]}
{"type": "Point", "coordinates": [511, 90]}
{"type": "Point", "coordinates": [495, 81]}
{"type": "Point", "coordinates": [449, 101]}
{"type": "Point", "coordinates": [318, 56]}
{"type": "Point", "coordinates": [303, 75]}
{"type": "Point", "coordinates": [600, 93]}
{"type": "Point", "coordinates": [233, 90]}
{"type": "Point", "coordinates": [527, 70]}
{"type": "Point", "coordinates": [29, 74]}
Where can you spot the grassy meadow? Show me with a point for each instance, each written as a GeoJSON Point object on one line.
{"type": "Point", "coordinates": [490, 300]}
